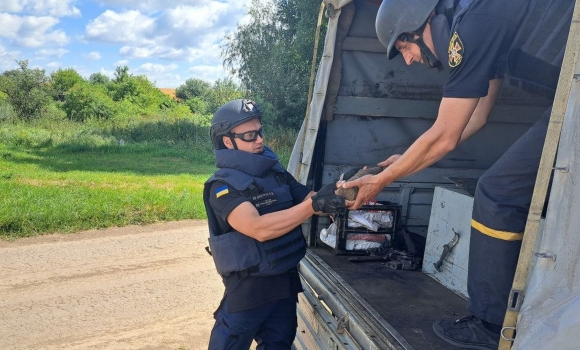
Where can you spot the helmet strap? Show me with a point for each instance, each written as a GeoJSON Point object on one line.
{"type": "Point", "coordinates": [428, 55]}
{"type": "Point", "coordinates": [233, 139]}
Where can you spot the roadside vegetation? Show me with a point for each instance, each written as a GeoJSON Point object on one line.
{"type": "Point", "coordinates": [81, 153]}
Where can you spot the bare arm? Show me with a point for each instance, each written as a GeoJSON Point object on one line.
{"type": "Point", "coordinates": [310, 194]}
{"type": "Point", "coordinates": [246, 219]}
{"type": "Point", "coordinates": [476, 122]}
{"type": "Point", "coordinates": [434, 144]}
{"type": "Point", "coordinates": [483, 110]}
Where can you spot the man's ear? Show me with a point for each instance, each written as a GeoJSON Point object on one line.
{"type": "Point", "coordinates": [227, 142]}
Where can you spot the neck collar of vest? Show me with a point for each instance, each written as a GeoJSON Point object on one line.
{"type": "Point", "coordinates": [253, 164]}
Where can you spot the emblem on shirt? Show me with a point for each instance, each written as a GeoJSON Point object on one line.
{"type": "Point", "coordinates": [221, 191]}
{"type": "Point", "coordinates": [264, 199]}
{"type": "Point", "coordinates": [455, 51]}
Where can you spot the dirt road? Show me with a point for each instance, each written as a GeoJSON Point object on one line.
{"type": "Point", "coordinates": [138, 287]}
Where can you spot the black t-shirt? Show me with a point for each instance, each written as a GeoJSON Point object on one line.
{"type": "Point", "coordinates": [253, 291]}
{"type": "Point", "coordinates": [479, 46]}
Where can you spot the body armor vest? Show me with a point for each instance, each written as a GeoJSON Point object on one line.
{"type": "Point", "coordinates": [262, 179]}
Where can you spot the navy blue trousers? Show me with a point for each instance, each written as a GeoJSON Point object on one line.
{"type": "Point", "coordinates": [272, 325]}
{"type": "Point", "coordinates": [500, 210]}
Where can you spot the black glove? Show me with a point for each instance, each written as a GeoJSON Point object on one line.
{"type": "Point", "coordinates": [350, 173]}
{"type": "Point", "coordinates": [327, 189]}
{"type": "Point", "coordinates": [328, 203]}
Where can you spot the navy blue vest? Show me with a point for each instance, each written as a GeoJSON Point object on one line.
{"type": "Point", "coordinates": [261, 178]}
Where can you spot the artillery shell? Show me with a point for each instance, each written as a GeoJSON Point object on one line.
{"type": "Point", "coordinates": [350, 193]}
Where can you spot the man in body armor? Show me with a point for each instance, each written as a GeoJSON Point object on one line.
{"type": "Point", "coordinates": [478, 40]}
{"type": "Point", "coordinates": [255, 209]}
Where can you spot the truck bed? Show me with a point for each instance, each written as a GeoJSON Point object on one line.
{"type": "Point", "coordinates": [409, 301]}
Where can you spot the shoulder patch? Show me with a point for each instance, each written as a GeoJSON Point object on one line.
{"type": "Point", "coordinates": [221, 191]}
{"type": "Point", "coordinates": [456, 50]}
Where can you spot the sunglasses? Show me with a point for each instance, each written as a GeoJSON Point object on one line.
{"type": "Point", "coordinates": [248, 136]}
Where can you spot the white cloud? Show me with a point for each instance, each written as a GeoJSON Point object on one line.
{"type": "Point", "coordinates": [155, 5]}
{"type": "Point", "coordinates": [156, 51]}
{"type": "Point", "coordinates": [93, 56]}
{"type": "Point", "coordinates": [31, 31]}
{"type": "Point", "coordinates": [160, 74]}
{"type": "Point", "coordinates": [155, 68]}
{"type": "Point", "coordinates": [56, 8]}
{"type": "Point", "coordinates": [6, 60]}
{"type": "Point", "coordinates": [208, 73]}
{"type": "Point", "coordinates": [122, 63]}
{"type": "Point", "coordinates": [42, 53]}
{"type": "Point", "coordinates": [182, 33]}
{"type": "Point", "coordinates": [126, 27]}
{"type": "Point", "coordinates": [166, 80]}
{"type": "Point", "coordinates": [158, 38]}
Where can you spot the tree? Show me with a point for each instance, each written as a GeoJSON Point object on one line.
{"type": "Point", "coordinates": [99, 79]}
{"type": "Point", "coordinates": [84, 101]}
{"type": "Point", "coordinates": [223, 91]}
{"type": "Point", "coordinates": [121, 74]}
{"type": "Point", "coordinates": [271, 54]}
{"type": "Point", "coordinates": [193, 88]}
{"type": "Point", "coordinates": [137, 90]}
{"type": "Point", "coordinates": [62, 81]}
{"type": "Point", "coordinates": [196, 105]}
{"type": "Point", "coordinates": [27, 90]}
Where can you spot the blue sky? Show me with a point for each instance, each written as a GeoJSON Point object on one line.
{"type": "Point", "coordinates": [169, 41]}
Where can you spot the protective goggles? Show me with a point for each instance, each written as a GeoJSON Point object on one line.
{"type": "Point", "coordinates": [248, 136]}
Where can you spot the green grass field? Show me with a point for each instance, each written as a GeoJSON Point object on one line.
{"type": "Point", "coordinates": [62, 177]}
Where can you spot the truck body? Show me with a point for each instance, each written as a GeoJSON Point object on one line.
{"type": "Point", "coordinates": [365, 108]}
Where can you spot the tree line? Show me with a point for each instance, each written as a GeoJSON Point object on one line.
{"type": "Point", "coordinates": [270, 55]}
{"type": "Point", "coordinates": [31, 92]}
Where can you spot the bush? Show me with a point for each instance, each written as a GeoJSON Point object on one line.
{"type": "Point", "coordinates": [196, 105]}
{"type": "Point", "coordinates": [27, 90]}
{"type": "Point", "coordinates": [84, 101]}
{"type": "Point", "coordinates": [222, 92]}
{"type": "Point", "coordinates": [62, 81]}
{"type": "Point", "coordinates": [193, 88]}
{"type": "Point", "coordinates": [269, 114]}
{"type": "Point", "coordinates": [177, 111]}
{"type": "Point", "coordinates": [203, 119]}
{"type": "Point", "coordinates": [6, 111]}
{"type": "Point", "coordinates": [141, 92]}
{"type": "Point", "coordinates": [99, 79]}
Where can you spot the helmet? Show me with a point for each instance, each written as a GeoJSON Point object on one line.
{"type": "Point", "coordinates": [396, 17]}
{"type": "Point", "coordinates": [229, 116]}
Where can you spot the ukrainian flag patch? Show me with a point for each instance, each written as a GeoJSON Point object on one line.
{"type": "Point", "coordinates": [221, 191]}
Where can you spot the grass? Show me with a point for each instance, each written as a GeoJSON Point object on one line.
{"type": "Point", "coordinates": [64, 177]}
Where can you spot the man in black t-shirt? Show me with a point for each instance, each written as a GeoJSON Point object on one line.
{"type": "Point", "coordinates": [472, 38]}
{"type": "Point", "coordinates": [255, 208]}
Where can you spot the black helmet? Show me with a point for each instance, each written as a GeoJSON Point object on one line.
{"type": "Point", "coordinates": [396, 17]}
{"type": "Point", "coordinates": [229, 116]}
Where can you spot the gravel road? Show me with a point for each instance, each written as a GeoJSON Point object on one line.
{"type": "Point", "coordinates": [137, 287]}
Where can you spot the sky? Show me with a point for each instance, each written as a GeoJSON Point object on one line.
{"type": "Point", "coordinates": [169, 41]}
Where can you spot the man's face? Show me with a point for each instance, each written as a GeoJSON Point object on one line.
{"type": "Point", "coordinates": [256, 146]}
{"type": "Point", "coordinates": [411, 51]}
